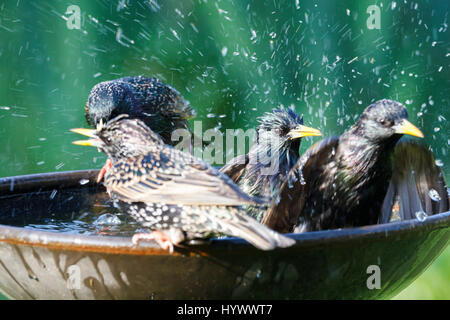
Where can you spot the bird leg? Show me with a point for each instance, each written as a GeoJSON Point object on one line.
{"type": "Point", "coordinates": [159, 237]}
{"type": "Point", "coordinates": [108, 164]}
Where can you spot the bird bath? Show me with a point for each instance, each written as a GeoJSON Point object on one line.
{"type": "Point", "coordinates": [74, 264]}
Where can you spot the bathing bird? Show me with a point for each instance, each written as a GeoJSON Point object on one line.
{"type": "Point", "coordinates": [174, 194]}
{"type": "Point", "coordinates": [157, 104]}
{"type": "Point", "coordinates": [354, 179]}
{"type": "Point", "coordinates": [265, 167]}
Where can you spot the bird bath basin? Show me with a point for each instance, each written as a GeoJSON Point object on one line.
{"type": "Point", "coordinates": [103, 264]}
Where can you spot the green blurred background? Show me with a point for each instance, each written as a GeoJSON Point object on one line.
{"type": "Point", "coordinates": [233, 60]}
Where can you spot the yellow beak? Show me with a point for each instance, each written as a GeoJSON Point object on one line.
{"type": "Point", "coordinates": [95, 142]}
{"type": "Point", "coordinates": [406, 127]}
{"type": "Point", "coordinates": [303, 131]}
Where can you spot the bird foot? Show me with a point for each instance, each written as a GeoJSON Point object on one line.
{"type": "Point", "coordinates": [159, 237]}
{"type": "Point", "coordinates": [108, 165]}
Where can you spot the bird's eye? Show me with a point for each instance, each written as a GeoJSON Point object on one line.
{"type": "Point", "coordinates": [384, 122]}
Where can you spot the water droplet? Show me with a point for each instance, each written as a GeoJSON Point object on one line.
{"type": "Point", "coordinates": [439, 163]}
{"type": "Point", "coordinates": [434, 195]}
{"type": "Point", "coordinates": [421, 216]}
{"type": "Point", "coordinates": [107, 219]}
{"type": "Point", "coordinates": [302, 179]}
{"type": "Point", "coordinates": [53, 194]}
{"type": "Point", "coordinates": [84, 181]}
{"type": "Point", "coordinates": [291, 180]}
{"type": "Point", "coordinates": [253, 32]}
{"type": "Point", "coordinates": [224, 51]}
{"type": "Point", "coordinates": [441, 118]}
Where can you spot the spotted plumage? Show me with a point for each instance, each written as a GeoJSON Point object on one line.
{"type": "Point", "coordinates": [173, 192]}
{"type": "Point", "coordinates": [158, 105]}
{"type": "Point", "coordinates": [265, 167]}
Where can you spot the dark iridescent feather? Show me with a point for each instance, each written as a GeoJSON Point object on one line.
{"type": "Point", "coordinates": [160, 106]}
{"type": "Point", "coordinates": [261, 172]}
{"type": "Point", "coordinates": [343, 181]}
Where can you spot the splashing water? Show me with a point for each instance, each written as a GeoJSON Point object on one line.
{"type": "Point", "coordinates": [439, 163]}
{"type": "Point", "coordinates": [434, 195]}
{"type": "Point", "coordinates": [108, 219]}
{"type": "Point", "coordinates": [291, 180]}
{"type": "Point", "coordinates": [421, 216]}
{"type": "Point", "coordinates": [83, 181]}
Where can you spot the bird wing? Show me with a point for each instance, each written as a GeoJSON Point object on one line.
{"type": "Point", "coordinates": [417, 183]}
{"type": "Point", "coordinates": [235, 168]}
{"type": "Point", "coordinates": [283, 214]}
{"type": "Point", "coordinates": [173, 177]}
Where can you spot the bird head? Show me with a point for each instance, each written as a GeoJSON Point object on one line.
{"type": "Point", "coordinates": [384, 121]}
{"type": "Point", "coordinates": [286, 126]}
{"type": "Point", "coordinates": [106, 100]}
{"type": "Point", "coordinates": [120, 137]}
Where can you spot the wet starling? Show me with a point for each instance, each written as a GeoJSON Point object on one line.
{"type": "Point", "coordinates": [171, 192]}
{"type": "Point", "coordinates": [160, 106]}
{"type": "Point", "coordinates": [262, 171]}
{"type": "Point", "coordinates": [343, 181]}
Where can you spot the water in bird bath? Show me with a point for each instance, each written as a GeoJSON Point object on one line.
{"type": "Point", "coordinates": [66, 211]}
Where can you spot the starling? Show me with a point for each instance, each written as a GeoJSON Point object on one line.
{"type": "Point", "coordinates": [174, 194]}
{"type": "Point", "coordinates": [261, 172]}
{"type": "Point", "coordinates": [343, 181]}
{"type": "Point", "coordinates": [160, 106]}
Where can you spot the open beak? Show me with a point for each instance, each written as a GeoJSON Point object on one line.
{"type": "Point", "coordinates": [94, 142]}
{"type": "Point", "coordinates": [406, 127]}
{"type": "Point", "coordinates": [301, 131]}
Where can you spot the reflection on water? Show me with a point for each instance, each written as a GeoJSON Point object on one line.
{"type": "Point", "coordinates": [88, 224]}
{"type": "Point", "coordinates": [75, 211]}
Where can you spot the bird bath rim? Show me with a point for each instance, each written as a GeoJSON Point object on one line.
{"type": "Point", "coordinates": [123, 245]}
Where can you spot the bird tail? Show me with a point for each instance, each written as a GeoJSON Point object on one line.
{"type": "Point", "coordinates": [418, 183]}
{"type": "Point", "coordinates": [244, 226]}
